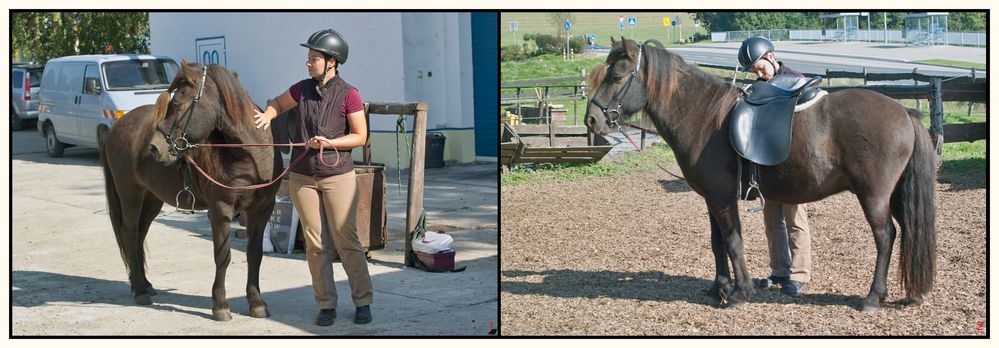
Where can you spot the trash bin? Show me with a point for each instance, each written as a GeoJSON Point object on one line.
{"type": "Point", "coordinates": [435, 150]}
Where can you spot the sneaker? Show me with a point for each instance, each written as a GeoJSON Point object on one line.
{"type": "Point", "coordinates": [792, 287]}
{"type": "Point", "coordinates": [326, 317]}
{"type": "Point", "coordinates": [771, 281]}
{"type": "Point", "coordinates": [362, 315]}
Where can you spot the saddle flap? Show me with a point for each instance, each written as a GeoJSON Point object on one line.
{"type": "Point", "coordinates": [762, 133]}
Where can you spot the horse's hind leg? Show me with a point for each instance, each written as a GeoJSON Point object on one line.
{"type": "Point", "coordinates": [132, 243]}
{"type": "Point", "coordinates": [220, 241]}
{"type": "Point", "coordinates": [256, 221]}
{"type": "Point", "coordinates": [876, 211]}
{"type": "Point", "coordinates": [150, 209]}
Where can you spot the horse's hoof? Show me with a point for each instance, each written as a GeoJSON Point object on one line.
{"type": "Point", "coordinates": [143, 300]}
{"type": "Point", "coordinates": [151, 291]}
{"type": "Point", "coordinates": [870, 309]}
{"type": "Point", "coordinates": [221, 315]}
{"type": "Point", "coordinates": [259, 312]}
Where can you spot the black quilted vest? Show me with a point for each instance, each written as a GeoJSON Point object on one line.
{"type": "Point", "coordinates": [321, 113]}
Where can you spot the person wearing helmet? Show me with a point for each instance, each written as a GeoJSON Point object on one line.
{"type": "Point", "coordinates": [788, 235]}
{"type": "Point", "coordinates": [331, 118]}
{"type": "Point", "coordinates": [756, 55]}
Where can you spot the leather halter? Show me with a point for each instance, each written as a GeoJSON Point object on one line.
{"type": "Point", "coordinates": [181, 144]}
{"type": "Point", "coordinates": [612, 122]}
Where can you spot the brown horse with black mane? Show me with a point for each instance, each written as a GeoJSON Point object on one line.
{"type": "Point", "coordinates": [852, 140]}
{"type": "Point", "coordinates": [145, 159]}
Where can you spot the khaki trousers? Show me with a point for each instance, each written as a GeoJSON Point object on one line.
{"type": "Point", "coordinates": [788, 240]}
{"type": "Point", "coordinates": [339, 197]}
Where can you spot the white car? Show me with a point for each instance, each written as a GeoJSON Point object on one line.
{"type": "Point", "coordinates": [82, 96]}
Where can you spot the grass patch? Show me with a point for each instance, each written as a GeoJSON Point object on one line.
{"type": "Point", "coordinates": [954, 63]}
{"type": "Point", "coordinates": [549, 65]}
{"type": "Point", "coordinates": [631, 162]}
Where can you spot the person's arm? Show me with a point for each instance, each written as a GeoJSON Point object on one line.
{"type": "Point", "coordinates": [357, 137]}
{"type": "Point", "coordinates": [275, 107]}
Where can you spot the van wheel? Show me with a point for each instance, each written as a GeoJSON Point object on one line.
{"type": "Point", "coordinates": [16, 123]}
{"type": "Point", "coordinates": [54, 147]}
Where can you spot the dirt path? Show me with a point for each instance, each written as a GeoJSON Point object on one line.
{"type": "Point", "coordinates": [631, 255]}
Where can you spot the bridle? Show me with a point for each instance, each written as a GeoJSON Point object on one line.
{"type": "Point", "coordinates": [181, 144]}
{"type": "Point", "coordinates": [612, 116]}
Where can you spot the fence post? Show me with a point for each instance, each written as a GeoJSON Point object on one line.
{"type": "Point", "coordinates": [936, 117]}
{"type": "Point", "coordinates": [915, 82]}
{"type": "Point", "coordinates": [865, 76]}
{"type": "Point", "coordinates": [971, 104]}
{"type": "Point", "coordinates": [828, 79]}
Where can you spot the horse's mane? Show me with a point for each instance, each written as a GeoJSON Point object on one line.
{"type": "Point", "coordinates": [235, 102]}
{"type": "Point", "coordinates": [683, 93]}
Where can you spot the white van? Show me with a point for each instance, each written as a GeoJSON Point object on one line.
{"type": "Point", "coordinates": [82, 96]}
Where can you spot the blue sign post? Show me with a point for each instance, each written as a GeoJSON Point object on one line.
{"type": "Point", "coordinates": [632, 22]}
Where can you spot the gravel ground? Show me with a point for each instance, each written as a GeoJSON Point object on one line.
{"type": "Point", "coordinates": [631, 255]}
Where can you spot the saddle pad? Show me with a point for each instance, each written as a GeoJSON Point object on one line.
{"type": "Point", "coordinates": [762, 133]}
{"type": "Point", "coordinates": [809, 98]}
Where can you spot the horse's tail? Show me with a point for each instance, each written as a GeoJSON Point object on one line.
{"type": "Point", "coordinates": [114, 208]}
{"type": "Point", "coordinates": [914, 207]}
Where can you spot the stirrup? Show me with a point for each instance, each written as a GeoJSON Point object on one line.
{"type": "Point", "coordinates": [754, 185]}
{"type": "Point", "coordinates": [177, 201]}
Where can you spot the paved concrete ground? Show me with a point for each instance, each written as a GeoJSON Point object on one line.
{"type": "Point", "coordinates": [68, 279]}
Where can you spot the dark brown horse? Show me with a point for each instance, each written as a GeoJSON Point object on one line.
{"type": "Point", "coordinates": [142, 171]}
{"type": "Point", "coordinates": [852, 140]}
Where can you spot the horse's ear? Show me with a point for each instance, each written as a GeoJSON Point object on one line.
{"type": "Point", "coordinates": [613, 41]}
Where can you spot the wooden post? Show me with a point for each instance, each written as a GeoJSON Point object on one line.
{"type": "Point", "coordinates": [367, 143]}
{"type": "Point", "coordinates": [551, 126]}
{"type": "Point", "coordinates": [936, 118]}
{"type": "Point", "coordinates": [915, 82]}
{"type": "Point", "coordinates": [865, 76]}
{"type": "Point", "coordinates": [642, 146]}
{"type": "Point", "coordinates": [971, 104]}
{"type": "Point", "coordinates": [414, 202]}
{"type": "Point", "coordinates": [828, 80]}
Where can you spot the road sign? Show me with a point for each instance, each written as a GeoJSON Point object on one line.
{"type": "Point", "coordinates": [567, 26]}
{"type": "Point", "coordinates": [674, 23]}
{"type": "Point", "coordinates": [665, 21]}
{"type": "Point", "coordinates": [513, 25]}
{"type": "Point", "coordinates": [620, 26]}
{"type": "Point", "coordinates": [632, 21]}
{"type": "Point", "coordinates": [620, 19]}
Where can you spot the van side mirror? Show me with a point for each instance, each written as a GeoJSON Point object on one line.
{"type": "Point", "coordinates": [92, 86]}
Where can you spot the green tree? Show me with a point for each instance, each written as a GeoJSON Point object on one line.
{"type": "Point", "coordinates": [736, 21]}
{"type": "Point", "coordinates": [40, 36]}
{"type": "Point", "coordinates": [966, 21]}
{"type": "Point", "coordinates": [557, 20]}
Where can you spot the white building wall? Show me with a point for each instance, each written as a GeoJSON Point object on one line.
{"type": "Point", "coordinates": [393, 57]}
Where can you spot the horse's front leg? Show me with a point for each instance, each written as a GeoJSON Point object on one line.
{"type": "Point", "coordinates": [256, 218]}
{"type": "Point", "coordinates": [726, 214]}
{"type": "Point", "coordinates": [722, 287]}
{"type": "Point", "coordinates": [220, 240]}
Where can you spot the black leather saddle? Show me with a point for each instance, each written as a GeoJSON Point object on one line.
{"type": "Point", "coordinates": [760, 128]}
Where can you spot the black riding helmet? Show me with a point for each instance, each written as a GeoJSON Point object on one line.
{"type": "Point", "coordinates": [752, 50]}
{"type": "Point", "coordinates": [329, 42]}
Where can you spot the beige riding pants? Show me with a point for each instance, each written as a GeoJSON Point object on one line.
{"type": "Point", "coordinates": [339, 196]}
{"type": "Point", "coordinates": [788, 240]}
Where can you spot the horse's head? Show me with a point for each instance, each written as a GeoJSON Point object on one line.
{"type": "Point", "coordinates": [618, 87]}
{"type": "Point", "coordinates": [195, 105]}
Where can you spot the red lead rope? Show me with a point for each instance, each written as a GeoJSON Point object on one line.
{"type": "Point", "coordinates": [257, 186]}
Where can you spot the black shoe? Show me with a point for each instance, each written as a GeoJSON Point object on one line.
{"type": "Point", "coordinates": [771, 281]}
{"type": "Point", "coordinates": [792, 287]}
{"type": "Point", "coordinates": [326, 317]}
{"type": "Point", "coordinates": [363, 315]}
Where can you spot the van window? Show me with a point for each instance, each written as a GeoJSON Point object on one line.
{"type": "Point", "coordinates": [17, 79]}
{"type": "Point", "coordinates": [36, 77]}
{"type": "Point", "coordinates": [50, 78]}
{"type": "Point", "coordinates": [91, 74]}
{"type": "Point", "coordinates": [139, 74]}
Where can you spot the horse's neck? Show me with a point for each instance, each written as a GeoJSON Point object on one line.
{"type": "Point", "coordinates": [690, 120]}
